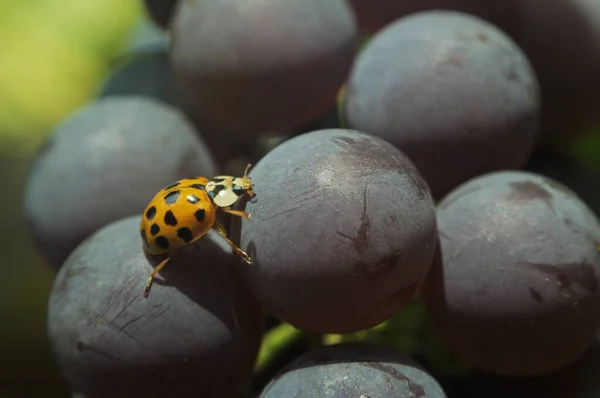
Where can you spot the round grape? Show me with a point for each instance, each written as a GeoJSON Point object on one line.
{"type": "Point", "coordinates": [254, 66]}
{"type": "Point", "coordinates": [515, 290]}
{"type": "Point", "coordinates": [342, 232]}
{"type": "Point", "coordinates": [353, 370]}
{"type": "Point", "coordinates": [198, 330]}
{"type": "Point", "coordinates": [104, 163]}
{"type": "Point", "coordinates": [561, 40]}
{"type": "Point", "coordinates": [451, 91]}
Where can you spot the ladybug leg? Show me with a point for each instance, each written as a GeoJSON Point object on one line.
{"type": "Point", "coordinates": [238, 213]}
{"type": "Point", "coordinates": [153, 275]}
{"type": "Point", "coordinates": [221, 230]}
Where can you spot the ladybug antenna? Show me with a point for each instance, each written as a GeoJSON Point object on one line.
{"type": "Point", "coordinates": [246, 174]}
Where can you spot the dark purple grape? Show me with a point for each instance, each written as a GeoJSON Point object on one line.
{"type": "Point", "coordinates": [353, 370]}
{"type": "Point", "coordinates": [515, 290]}
{"type": "Point", "coordinates": [451, 91]}
{"type": "Point", "coordinates": [161, 11]}
{"type": "Point", "coordinates": [342, 232]}
{"type": "Point", "coordinates": [104, 163]}
{"type": "Point", "coordinates": [198, 332]}
{"type": "Point", "coordinates": [551, 35]}
{"type": "Point", "coordinates": [577, 380]}
{"type": "Point", "coordinates": [253, 66]}
{"type": "Point", "coordinates": [146, 73]}
{"type": "Point", "coordinates": [373, 15]}
{"type": "Point", "coordinates": [561, 40]}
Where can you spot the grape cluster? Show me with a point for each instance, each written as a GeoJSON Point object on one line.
{"type": "Point", "coordinates": [406, 167]}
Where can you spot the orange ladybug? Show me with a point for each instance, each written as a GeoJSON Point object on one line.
{"type": "Point", "coordinates": [186, 210]}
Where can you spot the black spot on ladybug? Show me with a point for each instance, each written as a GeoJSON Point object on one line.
{"type": "Point", "coordinates": [143, 234]}
{"type": "Point", "coordinates": [199, 214]}
{"type": "Point", "coordinates": [185, 234]}
{"type": "Point", "coordinates": [170, 218]}
{"type": "Point", "coordinates": [238, 190]}
{"type": "Point", "coordinates": [197, 186]}
{"type": "Point", "coordinates": [162, 242]}
{"type": "Point", "coordinates": [154, 229]}
{"type": "Point", "coordinates": [171, 197]}
{"type": "Point", "coordinates": [218, 179]}
{"type": "Point", "coordinates": [193, 198]}
{"type": "Point", "coordinates": [150, 213]}
{"type": "Point", "coordinates": [171, 186]}
{"type": "Point", "coordinates": [215, 192]}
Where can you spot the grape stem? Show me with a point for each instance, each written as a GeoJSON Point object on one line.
{"type": "Point", "coordinates": [275, 341]}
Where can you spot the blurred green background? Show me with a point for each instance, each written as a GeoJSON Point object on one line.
{"type": "Point", "coordinates": [55, 54]}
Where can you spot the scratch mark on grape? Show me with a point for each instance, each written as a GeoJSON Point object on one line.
{"type": "Point", "coordinates": [361, 240]}
{"type": "Point", "coordinates": [288, 182]}
{"type": "Point", "coordinates": [125, 307]}
{"type": "Point", "coordinates": [416, 390]}
{"type": "Point", "coordinates": [307, 198]}
{"type": "Point", "coordinates": [568, 277]}
{"type": "Point", "coordinates": [83, 347]}
{"type": "Point", "coordinates": [305, 193]}
{"type": "Point", "coordinates": [158, 314]}
{"type": "Point", "coordinates": [283, 212]}
{"type": "Point", "coordinates": [130, 322]}
{"type": "Point", "coordinates": [111, 325]}
{"type": "Point", "coordinates": [371, 271]}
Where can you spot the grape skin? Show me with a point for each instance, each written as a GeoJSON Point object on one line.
{"type": "Point", "coordinates": [353, 370]}
{"type": "Point", "coordinates": [104, 163]}
{"type": "Point", "coordinates": [342, 231]}
{"type": "Point", "coordinates": [515, 289]}
{"type": "Point", "coordinates": [199, 330]}
{"type": "Point", "coordinates": [283, 66]}
{"type": "Point", "coordinates": [451, 91]}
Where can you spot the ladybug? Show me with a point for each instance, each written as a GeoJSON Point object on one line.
{"type": "Point", "coordinates": [226, 190]}
{"type": "Point", "coordinates": [186, 210]}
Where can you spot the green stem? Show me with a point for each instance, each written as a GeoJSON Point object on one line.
{"type": "Point", "coordinates": [275, 341]}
